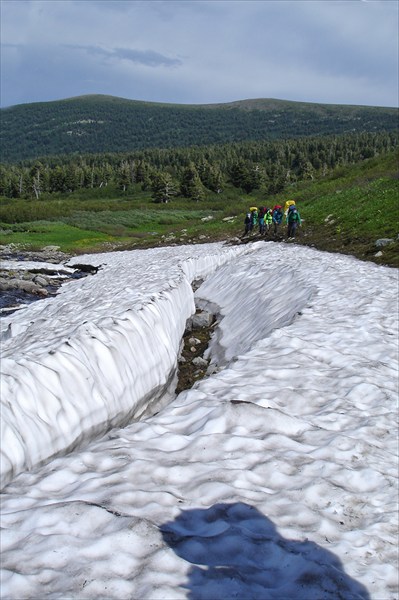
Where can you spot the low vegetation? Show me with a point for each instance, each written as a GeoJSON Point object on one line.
{"type": "Point", "coordinates": [346, 211]}
{"type": "Point", "coordinates": [353, 209]}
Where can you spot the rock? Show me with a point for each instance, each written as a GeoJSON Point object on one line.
{"type": "Point", "coordinates": [199, 362]}
{"type": "Point", "coordinates": [378, 254]}
{"type": "Point", "coordinates": [24, 275]}
{"type": "Point", "coordinates": [5, 284]}
{"type": "Point", "coordinates": [30, 275]}
{"type": "Point", "coordinates": [194, 341]}
{"type": "Point", "coordinates": [383, 242]}
{"type": "Point", "coordinates": [42, 292]}
{"type": "Point", "coordinates": [202, 319]}
{"type": "Point", "coordinates": [51, 248]}
{"type": "Point", "coordinates": [42, 281]}
{"type": "Point", "coordinates": [189, 325]}
{"type": "Point", "coordinates": [212, 369]}
{"type": "Point", "coordinates": [30, 287]}
{"type": "Point", "coordinates": [196, 284]}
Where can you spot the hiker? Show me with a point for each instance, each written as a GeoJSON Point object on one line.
{"type": "Point", "coordinates": [261, 217]}
{"type": "Point", "coordinates": [254, 216]}
{"type": "Point", "coordinates": [268, 220]}
{"type": "Point", "coordinates": [287, 205]}
{"type": "Point", "coordinates": [293, 220]}
{"type": "Point", "coordinates": [248, 223]}
{"type": "Point", "coordinates": [277, 218]}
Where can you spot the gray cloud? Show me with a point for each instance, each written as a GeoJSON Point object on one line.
{"type": "Point", "coordinates": [201, 51]}
{"type": "Point", "coordinates": [63, 72]}
{"type": "Point", "coordinates": [148, 58]}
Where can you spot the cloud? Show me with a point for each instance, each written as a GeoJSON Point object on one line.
{"type": "Point", "coordinates": [148, 58]}
{"type": "Point", "coordinates": [202, 51]}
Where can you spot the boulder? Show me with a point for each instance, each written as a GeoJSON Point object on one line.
{"type": "Point", "coordinates": [202, 319]}
{"type": "Point", "coordinates": [42, 281]}
{"type": "Point", "coordinates": [199, 362]}
{"type": "Point", "coordinates": [383, 242]}
{"type": "Point", "coordinates": [30, 287]}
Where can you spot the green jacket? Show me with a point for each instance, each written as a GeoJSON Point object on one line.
{"type": "Point", "coordinates": [268, 218]}
{"type": "Point", "coordinates": [293, 216]}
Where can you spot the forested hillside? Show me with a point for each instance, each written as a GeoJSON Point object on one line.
{"type": "Point", "coordinates": [106, 124]}
{"type": "Point", "coordinates": [196, 171]}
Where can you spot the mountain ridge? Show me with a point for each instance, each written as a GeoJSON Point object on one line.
{"type": "Point", "coordinates": [98, 123]}
{"type": "Point", "coordinates": [257, 102]}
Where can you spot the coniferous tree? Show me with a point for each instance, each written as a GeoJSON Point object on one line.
{"type": "Point", "coordinates": [143, 174]}
{"type": "Point", "coordinates": [211, 176]}
{"type": "Point", "coordinates": [163, 187]}
{"type": "Point", "coordinates": [57, 182]}
{"type": "Point", "coordinates": [191, 185]}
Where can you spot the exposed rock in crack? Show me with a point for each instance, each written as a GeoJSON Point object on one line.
{"type": "Point", "coordinates": [192, 364]}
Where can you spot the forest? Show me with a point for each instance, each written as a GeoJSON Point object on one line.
{"type": "Point", "coordinates": [106, 124]}
{"type": "Point", "coordinates": [191, 172]}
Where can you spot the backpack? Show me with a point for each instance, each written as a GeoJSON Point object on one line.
{"type": "Point", "coordinates": [268, 216]}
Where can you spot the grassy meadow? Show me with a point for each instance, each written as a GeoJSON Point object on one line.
{"type": "Point", "coordinates": [346, 211]}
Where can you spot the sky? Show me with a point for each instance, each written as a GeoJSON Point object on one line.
{"type": "Point", "coordinates": [201, 51]}
{"type": "Point", "coordinates": [274, 477]}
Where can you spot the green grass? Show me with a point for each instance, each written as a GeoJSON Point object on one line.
{"type": "Point", "coordinates": [361, 210]}
{"type": "Point", "coordinates": [37, 235]}
{"type": "Point", "coordinates": [353, 208]}
{"type": "Point", "coordinates": [345, 212]}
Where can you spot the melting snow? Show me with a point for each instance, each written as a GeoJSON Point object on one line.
{"type": "Point", "coordinates": [275, 477]}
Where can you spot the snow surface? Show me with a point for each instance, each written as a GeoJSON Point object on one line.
{"type": "Point", "coordinates": [275, 477]}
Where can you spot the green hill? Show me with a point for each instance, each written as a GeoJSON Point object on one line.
{"type": "Point", "coordinates": [97, 124]}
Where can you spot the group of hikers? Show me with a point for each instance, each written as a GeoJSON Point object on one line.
{"type": "Point", "coordinates": [268, 219]}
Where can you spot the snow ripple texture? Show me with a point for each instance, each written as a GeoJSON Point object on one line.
{"type": "Point", "coordinates": [275, 477]}
{"type": "Point", "coordinates": [100, 354]}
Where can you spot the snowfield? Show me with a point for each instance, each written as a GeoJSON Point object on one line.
{"type": "Point", "coordinates": [276, 477]}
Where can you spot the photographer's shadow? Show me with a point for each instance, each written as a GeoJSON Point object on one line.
{"type": "Point", "coordinates": [236, 552]}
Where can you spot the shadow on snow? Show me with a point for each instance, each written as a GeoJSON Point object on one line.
{"type": "Point", "coordinates": [236, 552]}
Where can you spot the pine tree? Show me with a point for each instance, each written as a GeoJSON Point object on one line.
{"type": "Point", "coordinates": [163, 187]}
{"type": "Point", "coordinates": [191, 185]}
